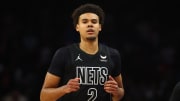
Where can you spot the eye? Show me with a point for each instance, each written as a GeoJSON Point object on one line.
{"type": "Point", "coordinates": [94, 21]}
{"type": "Point", "coordinates": [84, 21]}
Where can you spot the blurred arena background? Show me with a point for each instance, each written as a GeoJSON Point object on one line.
{"type": "Point", "coordinates": [145, 33]}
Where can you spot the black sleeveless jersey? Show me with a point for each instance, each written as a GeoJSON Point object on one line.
{"type": "Point", "coordinates": [93, 70]}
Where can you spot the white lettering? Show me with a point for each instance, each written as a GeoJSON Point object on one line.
{"type": "Point", "coordinates": [92, 75]}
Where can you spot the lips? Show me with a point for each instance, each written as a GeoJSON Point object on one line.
{"type": "Point", "coordinates": [90, 30]}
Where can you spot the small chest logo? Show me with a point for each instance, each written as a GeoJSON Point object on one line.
{"type": "Point", "coordinates": [78, 58]}
{"type": "Point", "coordinates": [103, 58]}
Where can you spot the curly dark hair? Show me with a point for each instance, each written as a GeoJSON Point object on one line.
{"type": "Point", "coordinates": [91, 8]}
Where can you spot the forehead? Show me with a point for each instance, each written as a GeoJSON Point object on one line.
{"type": "Point", "coordinates": [88, 16]}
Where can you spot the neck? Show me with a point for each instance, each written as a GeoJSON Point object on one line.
{"type": "Point", "coordinates": [89, 47]}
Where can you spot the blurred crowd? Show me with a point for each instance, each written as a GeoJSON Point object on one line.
{"type": "Point", "coordinates": [145, 36]}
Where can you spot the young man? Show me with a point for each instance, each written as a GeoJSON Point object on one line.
{"type": "Point", "coordinates": [88, 70]}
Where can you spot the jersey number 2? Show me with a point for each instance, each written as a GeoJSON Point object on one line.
{"type": "Point", "coordinates": [93, 94]}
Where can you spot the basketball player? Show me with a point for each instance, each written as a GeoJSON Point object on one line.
{"type": "Point", "coordinates": [88, 70]}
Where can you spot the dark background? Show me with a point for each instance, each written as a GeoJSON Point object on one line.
{"type": "Point", "coordinates": [145, 33]}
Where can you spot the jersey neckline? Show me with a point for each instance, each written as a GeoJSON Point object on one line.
{"type": "Point", "coordinates": [99, 50]}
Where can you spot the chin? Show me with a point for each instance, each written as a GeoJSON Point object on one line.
{"type": "Point", "coordinates": [91, 38]}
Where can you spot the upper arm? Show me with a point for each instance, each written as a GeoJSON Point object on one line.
{"type": "Point", "coordinates": [51, 81]}
{"type": "Point", "coordinates": [116, 62]}
{"type": "Point", "coordinates": [119, 80]}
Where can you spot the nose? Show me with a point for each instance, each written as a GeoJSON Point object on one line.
{"type": "Point", "coordinates": [90, 25]}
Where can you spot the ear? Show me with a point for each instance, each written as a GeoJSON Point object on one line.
{"type": "Point", "coordinates": [100, 27]}
{"type": "Point", "coordinates": [77, 27]}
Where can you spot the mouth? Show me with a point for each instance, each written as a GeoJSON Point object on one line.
{"type": "Point", "coordinates": [90, 31]}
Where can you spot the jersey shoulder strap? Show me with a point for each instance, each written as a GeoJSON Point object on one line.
{"type": "Point", "coordinates": [73, 52]}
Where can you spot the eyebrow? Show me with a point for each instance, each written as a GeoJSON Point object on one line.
{"type": "Point", "coordinates": [87, 19]}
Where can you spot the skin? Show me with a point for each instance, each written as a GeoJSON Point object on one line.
{"type": "Point", "coordinates": [88, 27]}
